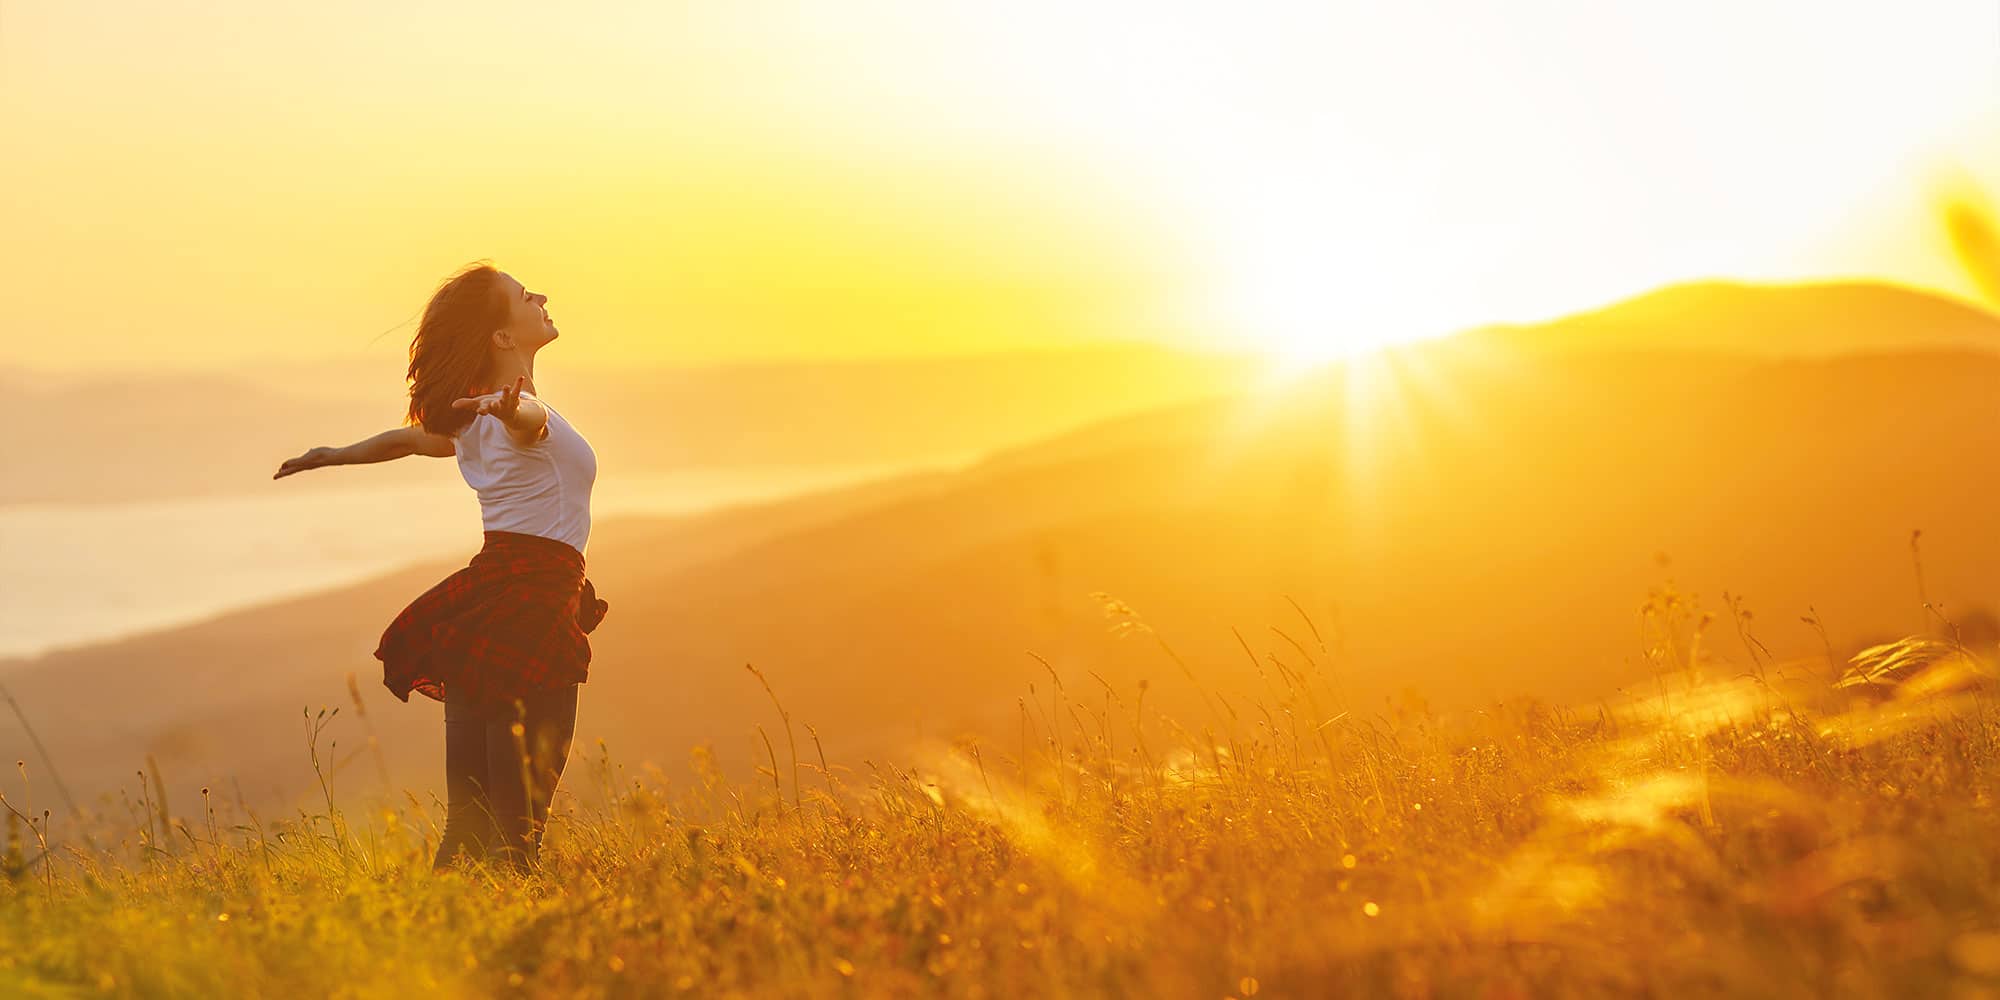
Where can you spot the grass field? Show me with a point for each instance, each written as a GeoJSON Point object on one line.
{"type": "Point", "coordinates": [1748, 829]}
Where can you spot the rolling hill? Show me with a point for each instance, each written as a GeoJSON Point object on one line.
{"type": "Point", "coordinates": [1464, 521]}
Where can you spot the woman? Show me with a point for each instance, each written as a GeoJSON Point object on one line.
{"type": "Point", "coordinates": [502, 643]}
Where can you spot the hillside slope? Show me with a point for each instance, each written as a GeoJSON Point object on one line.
{"type": "Point", "coordinates": [1463, 523]}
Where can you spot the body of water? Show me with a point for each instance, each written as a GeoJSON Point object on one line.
{"type": "Point", "coordinates": [72, 574]}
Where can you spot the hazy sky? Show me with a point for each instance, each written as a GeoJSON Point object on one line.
{"type": "Point", "coordinates": [226, 182]}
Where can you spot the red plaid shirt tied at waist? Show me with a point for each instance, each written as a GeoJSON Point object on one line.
{"type": "Point", "coordinates": [511, 623]}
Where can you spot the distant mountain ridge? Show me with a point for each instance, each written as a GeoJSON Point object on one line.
{"type": "Point", "coordinates": [131, 436]}
{"type": "Point", "coordinates": [128, 436]}
{"type": "Point", "coordinates": [1806, 321]}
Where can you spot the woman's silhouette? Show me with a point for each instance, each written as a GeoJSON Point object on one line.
{"type": "Point", "coordinates": [503, 642]}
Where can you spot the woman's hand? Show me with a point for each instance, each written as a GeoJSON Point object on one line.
{"type": "Point", "coordinates": [503, 404]}
{"type": "Point", "coordinates": [526, 424]}
{"type": "Point", "coordinates": [395, 442]}
{"type": "Point", "coordinates": [313, 459]}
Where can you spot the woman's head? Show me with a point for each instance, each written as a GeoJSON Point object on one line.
{"type": "Point", "coordinates": [477, 317]}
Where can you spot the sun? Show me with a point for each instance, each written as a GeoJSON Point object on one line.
{"type": "Point", "coordinates": [1311, 342]}
{"type": "Point", "coordinates": [1301, 317]}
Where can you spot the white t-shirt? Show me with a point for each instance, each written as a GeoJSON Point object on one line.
{"type": "Point", "coordinates": [535, 489]}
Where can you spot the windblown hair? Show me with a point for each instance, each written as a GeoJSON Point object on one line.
{"type": "Point", "coordinates": [448, 357]}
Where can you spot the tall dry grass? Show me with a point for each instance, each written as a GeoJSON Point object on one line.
{"type": "Point", "coordinates": [1752, 828]}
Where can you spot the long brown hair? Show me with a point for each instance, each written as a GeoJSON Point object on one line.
{"type": "Point", "coordinates": [448, 355]}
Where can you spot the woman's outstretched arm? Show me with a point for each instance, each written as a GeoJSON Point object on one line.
{"type": "Point", "coordinates": [396, 443]}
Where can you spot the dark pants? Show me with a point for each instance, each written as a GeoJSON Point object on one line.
{"type": "Point", "coordinates": [499, 781]}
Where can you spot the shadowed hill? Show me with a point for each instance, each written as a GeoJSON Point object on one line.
{"type": "Point", "coordinates": [1462, 521]}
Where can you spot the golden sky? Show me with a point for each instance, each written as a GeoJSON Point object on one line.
{"type": "Point", "coordinates": [229, 182]}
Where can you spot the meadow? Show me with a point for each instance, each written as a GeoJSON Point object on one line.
{"type": "Point", "coordinates": [1747, 828]}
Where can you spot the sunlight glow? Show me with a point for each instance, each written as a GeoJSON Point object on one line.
{"type": "Point", "coordinates": [1294, 318]}
{"type": "Point", "coordinates": [1306, 180]}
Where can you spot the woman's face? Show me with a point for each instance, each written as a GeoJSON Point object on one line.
{"type": "Point", "coordinates": [528, 324]}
